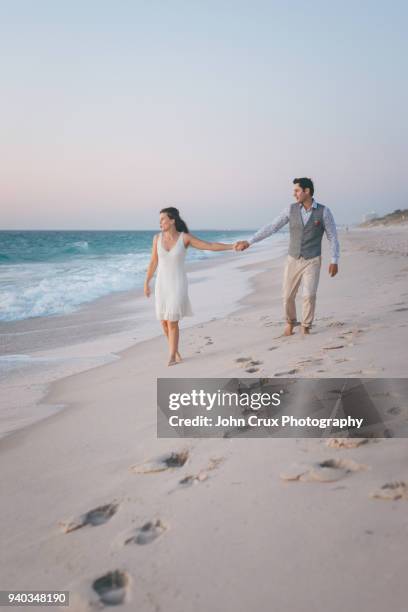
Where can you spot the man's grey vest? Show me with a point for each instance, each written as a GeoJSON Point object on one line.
{"type": "Point", "coordinates": [305, 240]}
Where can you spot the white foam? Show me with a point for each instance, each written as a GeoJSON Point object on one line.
{"type": "Point", "coordinates": [81, 244]}
{"type": "Point", "coordinates": [43, 289]}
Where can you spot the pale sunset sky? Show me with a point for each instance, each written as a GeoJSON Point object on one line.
{"type": "Point", "coordinates": [111, 110]}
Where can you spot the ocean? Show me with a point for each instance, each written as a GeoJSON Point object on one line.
{"type": "Point", "coordinates": [45, 273]}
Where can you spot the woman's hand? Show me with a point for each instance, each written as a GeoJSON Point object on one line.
{"type": "Point", "coordinates": [154, 260]}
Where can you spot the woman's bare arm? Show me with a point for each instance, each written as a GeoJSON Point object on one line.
{"type": "Point", "coordinates": [154, 260]}
{"type": "Point", "coordinates": [203, 245]}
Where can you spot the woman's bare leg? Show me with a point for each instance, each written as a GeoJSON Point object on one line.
{"type": "Point", "coordinates": [173, 341]}
{"type": "Point", "coordinates": [165, 327]}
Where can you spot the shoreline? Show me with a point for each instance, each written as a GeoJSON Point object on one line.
{"type": "Point", "coordinates": [85, 257]}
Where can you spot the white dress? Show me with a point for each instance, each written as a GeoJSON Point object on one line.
{"type": "Point", "coordinates": [171, 288]}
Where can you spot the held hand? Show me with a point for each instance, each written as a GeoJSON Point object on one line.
{"type": "Point", "coordinates": [147, 291]}
{"type": "Point", "coordinates": [333, 269]}
{"type": "Point", "coordinates": [241, 245]}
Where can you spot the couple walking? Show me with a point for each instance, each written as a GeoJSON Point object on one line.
{"type": "Point", "coordinates": [308, 221]}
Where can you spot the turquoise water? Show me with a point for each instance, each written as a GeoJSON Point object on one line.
{"type": "Point", "coordinates": [45, 273]}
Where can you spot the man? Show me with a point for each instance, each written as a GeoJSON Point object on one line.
{"type": "Point", "coordinates": [308, 221]}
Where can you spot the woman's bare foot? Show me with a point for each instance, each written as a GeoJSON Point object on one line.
{"type": "Point", "coordinates": [172, 361]}
{"type": "Point", "coordinates": [288, 331]}
{"type": "Point", "coordinates": [178, 357]}
{"type": "Point", "coordinates": [305, 330]}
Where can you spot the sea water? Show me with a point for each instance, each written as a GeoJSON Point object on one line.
{"type": "Point", "coordinates": [46, 273]}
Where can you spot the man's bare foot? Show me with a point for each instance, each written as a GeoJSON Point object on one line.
{"type": "Point", "coordinates": [288, 331]}
{"type": "Point", "coordinates": [179, 359]}
{"type": "Point", "coordinates": [305, 330]}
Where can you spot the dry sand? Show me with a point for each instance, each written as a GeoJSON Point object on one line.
{"type": "Point", "coordinates": [235, 536]}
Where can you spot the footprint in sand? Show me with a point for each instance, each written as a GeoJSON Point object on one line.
{"type": "Point", "coordinates": [394, 410]}
{"type": "Point", "coordinates": [333, 347]}
{"type": "Point", "coordinates": [272, 348]}
{"type": "Point", "coordinates": [97, 516]}
{"type": "Point", "coordinates": [400, 309]}
{"type": "Point", "coordinates": [288, 372]}
{"type": "Point", "coordinates": [173, 460]}
{"type": "Point", "coordinates": [350, 335]}
{"type": "Point", "coordinates": [147, 533]}
{"type": "Point", "coordinates": [392, 491]}
{"type": "Point", "coordinates": [214, 463]}
{"type": "Point", "coordinates": [252, 367]}
{"type": "Point", "coordinates": [346, 442]}
{"type": "Point", "coordinates": [328, 470]}
{"type": "Point", "coordinates": [191, 479]}
{"type": "Point", "coordinates": [309, 361]}
{"type": "Point", "coordinates": [249, 364]}
{"type": "Point", "coordinates": [112, 588]}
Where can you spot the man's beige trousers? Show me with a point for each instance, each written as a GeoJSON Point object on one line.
{"type": "Point", "coordinates": [306, 271]}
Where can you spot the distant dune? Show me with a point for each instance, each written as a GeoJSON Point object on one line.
{"type": "Point", "coordinates": [396, 217]}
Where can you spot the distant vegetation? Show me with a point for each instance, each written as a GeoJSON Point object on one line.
{"type": "Point", "coordinates": [398, 216]}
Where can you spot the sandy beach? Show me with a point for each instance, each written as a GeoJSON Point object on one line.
{"type": "Point", "coordinates": [225, 530]}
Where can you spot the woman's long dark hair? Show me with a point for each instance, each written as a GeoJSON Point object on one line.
{"type": "Point", "coordinates": [173, 213]}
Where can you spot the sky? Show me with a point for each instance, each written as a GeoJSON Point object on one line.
{"type": "Point", "coordinates": [110, 111]}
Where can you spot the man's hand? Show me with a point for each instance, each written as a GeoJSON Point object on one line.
{"type": "Point", "coordinates": [241, 245]}
{"type": "Point", "coordinates": [333, 269]}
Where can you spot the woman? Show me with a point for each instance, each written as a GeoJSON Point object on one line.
{"type": "Point", "coordinates": [171, 290]}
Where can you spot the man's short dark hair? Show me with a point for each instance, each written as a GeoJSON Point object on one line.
{"type": "Point", "coordinates": [304, 183]}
